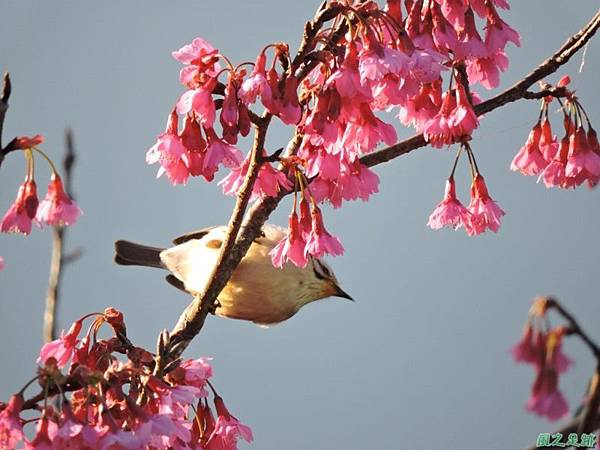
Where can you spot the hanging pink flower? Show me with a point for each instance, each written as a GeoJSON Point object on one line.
{"type": "Point", "coordinates": [319, 241]}
{"type": "Point", "coordinates": [57, 208]}
{"type": "Point", "coordinates": [292, 247]}
{"type": "Point", "coordinates": [530, 160]}
{"type": "Point", "coordinates": [62, 349]}
{"type": "Point", "coordinates": [170, 153]}
{"type": "Point", "coordinates": [485, 212]}
{"type": "Point", "coordinates": [11, 428]}
{"type": "Point", "coordinates": [228, 430]}
{"type": "Point", "coordinates": [21, 213]}
{"type": "Point", "coordinates": [450, 211]}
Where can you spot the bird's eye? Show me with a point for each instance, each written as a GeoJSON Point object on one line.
{"type": "Point", "coordinates": [321, 272]}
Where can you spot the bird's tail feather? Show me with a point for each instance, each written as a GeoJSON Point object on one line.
{"type": "Point", "coordinates": [132, 254]}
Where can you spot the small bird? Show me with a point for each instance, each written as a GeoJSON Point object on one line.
{"type": "Point", "coordinates": [256, 291]}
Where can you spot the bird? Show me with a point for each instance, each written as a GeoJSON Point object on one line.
{"type": "Point", "coordinates": [257, 291]}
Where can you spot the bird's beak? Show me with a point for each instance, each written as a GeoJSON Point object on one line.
{"type": "Point", "coordinates": [339, 292]}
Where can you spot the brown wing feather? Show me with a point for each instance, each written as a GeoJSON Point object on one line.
{"type": "Point", "coordinates": [198, 234]}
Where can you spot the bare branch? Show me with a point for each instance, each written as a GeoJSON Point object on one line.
{"type": "Point", "coordinates": [4, 96]}
{"type": "Point", "coordinates": [514, 93]}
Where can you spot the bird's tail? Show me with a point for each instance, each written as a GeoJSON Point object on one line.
{"type": "Point", "coordinates": [132, 254]}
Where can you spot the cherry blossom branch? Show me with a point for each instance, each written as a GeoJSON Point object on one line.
{"type": "Point", "coordinates": [574, 327]}
{"type": "Point", "coordinates": [59, 259]}
{"type": "Point", "coordinates": [518, 91]}
{"type": "Point", "coordinates": [588, 420]}
{"type": "Point", "coordinates": [192, 320]}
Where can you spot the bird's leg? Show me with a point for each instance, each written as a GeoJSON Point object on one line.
{"type": "Point", "coordinates": [214, 307]}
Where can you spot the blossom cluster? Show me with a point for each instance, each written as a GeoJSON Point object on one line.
{"type": "Point", "coordinates": [104, 401]}
{"type": "Point", "coordinates": [482, 213]}
{"type": "Point", "coordinates": [541, 348]}
{"type": "Point", "coordinates": [56, 209]}
{"type": "Point", "coordinates": [371, 60]}
{"type": "Point", "coordinates": [568, 163]}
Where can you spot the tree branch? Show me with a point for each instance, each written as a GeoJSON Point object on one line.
{"type": "Point", "coordinates": [192, 320]}
{"type": "Point", "coordinates": [58, 259]}
{"type": "Point", "coordinates": [514, 93]}
{"type": "Point", "coordinates": [4, 96]}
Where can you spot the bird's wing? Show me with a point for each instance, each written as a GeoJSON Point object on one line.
{"type": "Point", "coordinates": [198, 234]}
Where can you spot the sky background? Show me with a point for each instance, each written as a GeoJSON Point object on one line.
{"type": "Point", "coordinates": [421, 358]}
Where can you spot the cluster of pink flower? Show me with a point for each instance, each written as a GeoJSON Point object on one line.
{"type": "Point", "coordinates": [371, 59]}
{"type": "Point", "coordinates": [115, 404]}
{"type": "Point", "coordinates": [570, 163]}
{"type": "Point", "coordinates": [57, 208]}
{"type": "Point", "coordinates": [541, 348]}
{"type": "Point", "coordinates": [483, 212]}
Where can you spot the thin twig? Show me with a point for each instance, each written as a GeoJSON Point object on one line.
{"type": "Point", "coordinates": [574, 327]}
{"type": "Point", "coordinates": [590, 412]}
{"type": "Point", "coordinates": [514, 93]}
{"type": "Point", "coordinates": [58, 261]}
{"type": "Point", "coordinates": [4, 96]}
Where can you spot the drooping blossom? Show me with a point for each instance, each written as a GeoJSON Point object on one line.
{"type": "Point", "coordinates": [218, 152]}
{"type": "Point", "coordinates": [530, 160]}
{"type": "Point", "coordinates": [25, 142]}
{"type": "Point", "coordinates": [554, 173]}
{"type": "Point", "coordinates": [1, 263]}
{"type": "Point", "coordinates": [485, 212]}
{"type": "Point", "coordinates": [455, 119]}
{"type": "Point", "coordinates": [546, 399]}
{"type": "Point", "coordinates": [200, 61]}
{"type": "Point", "coordinates": [62, 349]}
{"type": "Point", "coordinates": [170, 153]}
{"type": "Point", "coordinates": [450, 211]}
{"type": "Point", "coordinates": [268, 182]}
{"type": "Point", "coordinates": [227, 430]}
{"type": "Point", "coordinates": [57, 208]}
{"type": "Point", "coordinates": [198, 101]}
{"type": "Point", "coordinates": [486, 70]}
{"type": "Point", "coordinates": [256, 84]}
{"type": "Point", "coordinates": [11, 429]}
{"type": "Point", "coordinates": [583, 163]}
{"type": "Point", "coordinates": [22, 212]}
{"type": "Point", "coordinates": [44, 436]}
{"type": "Point", "coordinates": [319, 242]}
{"type": "Point", "coordinates": [196, 371]}
{"type": "Point", "coordinates": [292, 247]}
{"type": "Point", "coordinates": [531, 349]}
{"type": "Point", "coordinates": [497, 32]}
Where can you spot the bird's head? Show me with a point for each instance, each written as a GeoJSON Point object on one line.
{"type": "Point", "coordinates": [321, 282]}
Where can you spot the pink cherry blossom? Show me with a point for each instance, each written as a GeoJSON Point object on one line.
{"type": "Point", "coordinates": [228, 430]}
{"type": "Point", "coordinates": [548, 142]}
{"type": "Point", "coordinates": [486, 70]}
{"type": "Point", "coordinates": [292, 247]}
{"type": "Point", "coordinates": [200, 102]}
{"type": "Point", "coordinates": [21, 213]}
{"type": "Point", "coordinates": [256, 84]}
{"type": "Point", "coordinates": [44, 436]}
{"type": "Point", "coordinates": [57, 208]}
{"type": "Point", "coordinates": [62, 349]}
{"type": "Point", "coordinates": [583, 164]}
{"type": "Point", "coordinates": [11, 429]}
{"type": "Point", "coordinates": [197, 371]}
{"type": "Point", "coordinates": [485, 212]}
{"type": "Point", "coordinates": [450, 211]}
{"type": "Point", "coordinates": [268, 183]}
{"type": "Point", "coordinates": [1, 263]}
{"type": "Point", "coordinates": [530, 160]}
{"type": "Point", "coordinates": [319, 241]}
{"type": "Point", "coordinates": [218, 152]}
{"type": "Point", "coordinates": [25, 142]}
{"type": "Point", "coordinates": [170, 153]}
{"type": "Point", "coordinates": [546, 399]}
{"type": "Point", "coordinates": [531, 349]}
{"type": "Point", "coordinates": [498, 33]}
